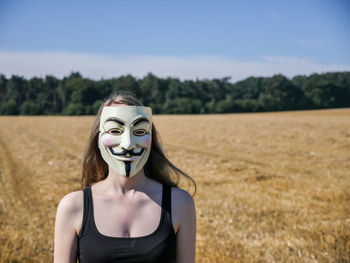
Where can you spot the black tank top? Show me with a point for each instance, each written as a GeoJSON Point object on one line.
{"type": "Point", "coordinates": [159, 246]}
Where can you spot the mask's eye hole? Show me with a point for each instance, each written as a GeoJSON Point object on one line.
{"type": "Point", "coordinates": [140, 132]}
{"type": "Point", "coordinates": [115, 131]}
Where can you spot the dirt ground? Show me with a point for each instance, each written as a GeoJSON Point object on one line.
{"type": "Point", "coordinates": [272, 187]}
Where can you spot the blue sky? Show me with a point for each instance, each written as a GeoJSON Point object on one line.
{"type": "Point", "coordinates": [185, 39]}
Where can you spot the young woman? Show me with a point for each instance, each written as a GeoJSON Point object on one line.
{"type": "Point", "coordinates": [131, 209]}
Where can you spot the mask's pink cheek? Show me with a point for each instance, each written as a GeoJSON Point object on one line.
{"type": "Point", "coordinates": [148, 141]}
{"type": "Point", "coordinates": [107, 140]}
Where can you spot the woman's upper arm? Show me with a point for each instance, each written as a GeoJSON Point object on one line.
{"type": "Point", "coordinates": [185, 222]}
{"type": "Point", "coordinates": [68, 222]}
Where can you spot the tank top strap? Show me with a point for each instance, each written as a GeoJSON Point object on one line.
{"type": "Point", "coordinates": [166, 202]}
{"type": "Point", "coordinates": [86, 211]}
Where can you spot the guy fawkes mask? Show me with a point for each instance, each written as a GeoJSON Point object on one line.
{"type": "Point", "coordinates": [125, 138]}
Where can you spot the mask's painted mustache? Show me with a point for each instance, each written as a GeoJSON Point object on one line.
{"type": "Point", "coordinates": [125, 152]}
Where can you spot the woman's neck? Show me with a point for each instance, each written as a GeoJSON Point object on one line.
{"type": "Point", "coordinates": [117, 184]}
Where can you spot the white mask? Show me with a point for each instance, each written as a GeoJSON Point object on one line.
{"type": "Point", "coordinates": [125, 138]}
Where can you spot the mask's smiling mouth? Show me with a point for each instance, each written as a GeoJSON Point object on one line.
{"type": "Point", "coordinates": [127, 155]}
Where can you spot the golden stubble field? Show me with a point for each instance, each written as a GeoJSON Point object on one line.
{"type": "Point", "coordinates": [272, 187]}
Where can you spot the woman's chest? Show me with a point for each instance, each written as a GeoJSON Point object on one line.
{"type": "Point", "coordinates": [126, 218]}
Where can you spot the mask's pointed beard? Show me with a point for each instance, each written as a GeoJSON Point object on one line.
{"type": "Point", "coordinates": [127, 168]}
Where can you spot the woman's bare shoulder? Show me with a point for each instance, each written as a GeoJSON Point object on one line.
{"type": "Point", "coordinates": [183, 209]}
{"type": "Point", "coordinates": [181, 199]}
{"type": "Point", "coordinates": [67, 226]}
{"type": "Point", "coordinates": [72, 203]}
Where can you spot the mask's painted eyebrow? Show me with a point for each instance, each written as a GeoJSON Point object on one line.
{"type": "Point", "coordinates": [139, 120]}
{"type": "Point", "coordinates": [116, 120]}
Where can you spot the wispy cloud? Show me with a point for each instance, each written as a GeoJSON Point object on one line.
{"type": "Point", "coordinates": [273, 16]}
{"type": "Point", "coordinates": [96, 66]}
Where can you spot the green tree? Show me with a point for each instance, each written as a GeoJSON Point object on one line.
{"type": "Point", "coordinates": [152, 90]}
{"type": "Point", "coordinates": [328, 90]}
{"type": "Point", "coordinates": [16, 89]}
{"type": "Point", "coordinates": [3, 82]}
{"type": "Point", "coordinates": [127, 83]}
{"type": "Point", "coordinates": [279, 93]}
{"type": "Point", "coordinates": [74, 109]}
{"type": "Point", "coordinates": [9, 108]}
{"type": "Point", "coordinates": [29, 108]}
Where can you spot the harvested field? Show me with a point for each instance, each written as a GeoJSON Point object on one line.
{"type": "Point", "coordinates": [272, 187]}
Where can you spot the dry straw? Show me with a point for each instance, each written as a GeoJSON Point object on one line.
{"type": "Point", "coordinates": [272, 187]}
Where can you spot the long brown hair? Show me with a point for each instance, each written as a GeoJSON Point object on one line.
{"type": "Point", "coordinates": [158, 167]}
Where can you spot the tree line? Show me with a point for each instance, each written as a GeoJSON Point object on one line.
{"type": "Point", "coordinates": [76, 95]}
